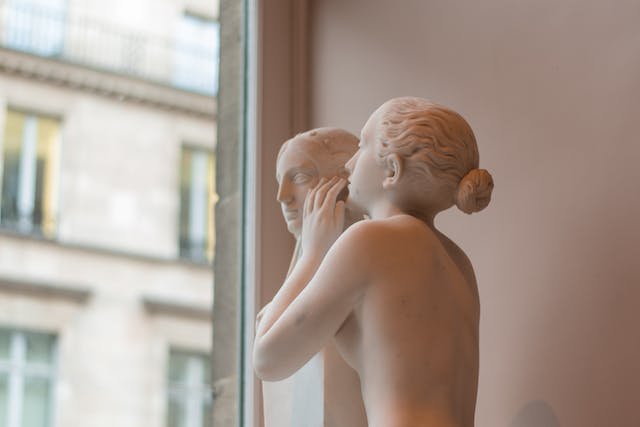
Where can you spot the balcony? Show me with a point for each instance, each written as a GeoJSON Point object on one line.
{"type": "Point", "coordinates": [188, 61]}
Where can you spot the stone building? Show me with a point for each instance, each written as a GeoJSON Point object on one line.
{"type": "Point", "coordinates": [107, 142]}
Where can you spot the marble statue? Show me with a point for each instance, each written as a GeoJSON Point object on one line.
{"type": "Point", "coordinates": [397, 296]}
{"type": "Point", "coordinates": [302, 162]}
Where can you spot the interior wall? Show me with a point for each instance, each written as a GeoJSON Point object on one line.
{"type": "Point", "coordinates": [552, 92]}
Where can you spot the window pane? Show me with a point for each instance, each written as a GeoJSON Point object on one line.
{"type": "Point", "coordinates": [35, 406]}
{"type": "Point", "coordinates": [14, 129]}
{"type": "Point", "coordinates": [45, 205]}
{"type": "Point", "coordinates": [178, 365]}
{"type": "Point", "coordinates": [212, 198]}
{"type": "Point", "coordinates": [35, 26]}
{"type": "Point", "coordinates": [39, 347]}
{"type": "Point", "coordinates": [207, 413]}
{"type": "Point", "coordinates": [4, 399]}
{"type": "Point", "coordinates": [196, 55]}
{"type": "Point", "coordinates": [5, 342]}
{"type": "Point", "coordinates": [189, 393]}
{"type": "Point", "coordinates": [177, 413]}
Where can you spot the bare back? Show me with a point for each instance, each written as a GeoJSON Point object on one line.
{"type": "Point", "coordinates": [414, 336]}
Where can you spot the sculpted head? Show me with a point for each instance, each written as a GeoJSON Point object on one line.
{"type": "Point", "coordinates": [303, 160]}
{"type": "Point", "coordinates": [422, 155]}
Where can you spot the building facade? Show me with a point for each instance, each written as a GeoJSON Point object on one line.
{"type": "Point", "coordinates": [107, 153]}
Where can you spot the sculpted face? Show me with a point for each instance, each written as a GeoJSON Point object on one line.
{"type": "Point", "coordinates": [302, 161]}
{"type": "Point", "coordinates": [296, 175]}
{"type": "Point", "coordinates": [365, 171]}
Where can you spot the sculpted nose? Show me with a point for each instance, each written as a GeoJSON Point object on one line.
{"type": "Point", "coordinates": [284, 195]}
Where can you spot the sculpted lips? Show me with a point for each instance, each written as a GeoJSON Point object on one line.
{"type": "Point", "coordinates": [290, 214]}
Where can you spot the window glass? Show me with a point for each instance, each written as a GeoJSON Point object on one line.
{"type": "Point", "coordinates": [5, 341]}
{"type": "Point", "coordinates": [39, 347]}
{"type": "Point", "coordinates": [189, 391]}
{"type": "Point", "coordinates": [35, 404]}
{"type": "Point", "coordinates": [35, 26]}
{"type": "Point", "coordinates": [196, 54]}
{"type": "Point", "coordinates": [93, 158]}
{"type": "Point", "coordinates": [178, 368]}
{"type": "Point", "coordinates": [12, 143]}
{"type": "Point", "coordinates": [4, 398]}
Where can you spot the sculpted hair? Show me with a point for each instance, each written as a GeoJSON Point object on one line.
{"type": "Point", "coordinates": [437, 141]}
{"type": "Point", "coordinates": [329, 148]}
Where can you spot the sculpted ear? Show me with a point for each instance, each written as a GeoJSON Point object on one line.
{"type": "Point", "coordinates": [394, 169]}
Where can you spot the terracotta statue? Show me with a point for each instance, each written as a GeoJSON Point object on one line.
{"type": "Point", "coordinates": [302, 162]}
{"type": "Point", "coordinates": [396, 295]}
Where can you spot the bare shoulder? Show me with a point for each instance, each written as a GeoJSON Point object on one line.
{"type": "Point", "coordinates": [378, 236]}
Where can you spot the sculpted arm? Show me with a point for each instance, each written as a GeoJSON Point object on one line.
{"type": "Point", "coordinates": [311, 305]}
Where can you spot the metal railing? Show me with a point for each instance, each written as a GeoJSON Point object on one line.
{"type": "Point", "coordinates": [182, 61]}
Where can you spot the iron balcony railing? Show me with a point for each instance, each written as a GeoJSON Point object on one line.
{"type": "Point", "coordinates": [187, 60]}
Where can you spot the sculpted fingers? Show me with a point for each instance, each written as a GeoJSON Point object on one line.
{"type": "Point", "coordinates": [334, 190]}
{"type": "Point", "coordinates": [323, 190]}
{"type": "Point", "coordinates": [312, 196]}
{"type": "Point", "coordinates": [308, 202]}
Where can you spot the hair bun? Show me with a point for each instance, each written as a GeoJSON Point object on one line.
{"type": "Point", "coordinates": [474, 191]}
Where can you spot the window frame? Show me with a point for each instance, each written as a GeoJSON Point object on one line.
{"type": "Point", "coordinates": [18, 370]}
{"type": "Point", "coordinates": [209, 152]}
{"type": "Point", "coordinates": [56, 166]}
{"type": "Point", "coordinates": [277, 60]}
{"type": "Point", "coordinates": [190, 396]}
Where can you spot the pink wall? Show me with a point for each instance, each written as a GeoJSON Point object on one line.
{"type": "Point", "coordinates": [552, 90]}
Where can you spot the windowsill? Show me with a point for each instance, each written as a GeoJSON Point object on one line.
{"type": "Point", "coordinates": [185, 309]}
{"type": "Point", "coordinates": [102, 250]}
{"type": "Point", "coordinates": [77, 294]}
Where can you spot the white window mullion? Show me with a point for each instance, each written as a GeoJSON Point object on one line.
{"type": "Point", "coordinates": [27, 174]}
{"type": "Point", "coordinates": [16, 379]}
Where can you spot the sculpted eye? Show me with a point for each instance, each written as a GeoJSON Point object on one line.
{"type": "Point", "coordinates": [301, 178]}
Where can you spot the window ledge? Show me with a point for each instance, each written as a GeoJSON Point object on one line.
{"type": "Point", "coordinates": [73, 293]}
{"type": "Point", "coordinates": [155, 305]}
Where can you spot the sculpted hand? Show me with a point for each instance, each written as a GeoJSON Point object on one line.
{"type": "Point", "coordinates": [323, 217]}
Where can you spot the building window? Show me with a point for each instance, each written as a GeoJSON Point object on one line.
{"type": "Point", "coordinates": [26, 378]}
{"type": "Point", "coordinates": [30, 148]}
{"type": "Point", "coordinates": [189, 391]}
{"type": "Point", "coordinates": [196, 54]}
{"type": "Point", "coordinates": [197, 199]}
{"type": "Point", "coordinates": [35, 26]}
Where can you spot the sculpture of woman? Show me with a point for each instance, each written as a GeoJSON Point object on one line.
{"type": "Point", "coordinates": [397, 296]}
{"type": "Point", "coordinates": [302, 162]}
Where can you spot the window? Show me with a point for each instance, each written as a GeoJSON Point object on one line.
{"type": "Point", "coordinates": [197, 199]}
{"type": "Point", "coordinates": [29, 151]}
{"type": "Point", "coordinates": [26, 378]}
{"type": "Point", "coordinates": [35, 26]}
{"type": "Point", "coordinates": [196, 54]}
{"type": "Point", "coordinates": [189, 391]}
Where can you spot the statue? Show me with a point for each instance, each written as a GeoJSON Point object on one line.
{"type": "Point", "coordinates": [302, 162]}
{"type": "Point", "coordinates": [398, 297]}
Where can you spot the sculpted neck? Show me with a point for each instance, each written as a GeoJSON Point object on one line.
{"type": "Point", "coordinates": [386, 209]}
